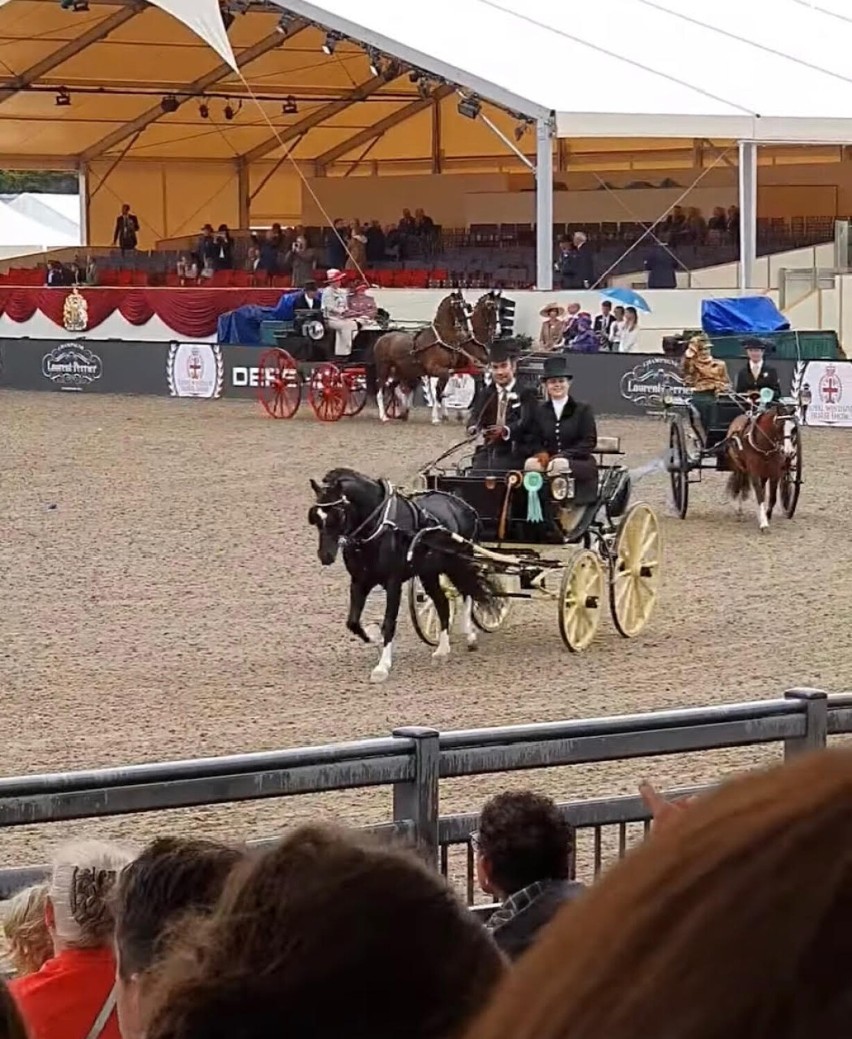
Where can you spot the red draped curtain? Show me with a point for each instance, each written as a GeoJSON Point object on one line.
{"type": "Point", "coordinates": [188, 312]}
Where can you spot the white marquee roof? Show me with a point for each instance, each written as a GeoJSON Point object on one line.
{"type": "Point", "coordinates": [764, 70]}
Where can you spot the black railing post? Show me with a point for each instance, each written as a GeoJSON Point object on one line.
{"type": "Point", "coordinates": [816, 722]}
{"type": "Point", "coordinates": [418, 799]}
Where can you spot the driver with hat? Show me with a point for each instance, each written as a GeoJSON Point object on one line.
{"type": "Point", "coordinates": [560, 433]}
{"type": "Point", "coordinates": [498, 405]}
{"type": "Point", "coordinates": [756, 375]}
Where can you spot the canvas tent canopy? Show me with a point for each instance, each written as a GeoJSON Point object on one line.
{"type": "Point", "coordinates": [648, 70]}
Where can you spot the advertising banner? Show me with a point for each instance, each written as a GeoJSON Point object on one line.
{"type": "Point", "coordinates": [195, 370]}
{"type": "Point", "coordinates": [825, 391]}
{"type": "Point", "coordinates": [79, 365]}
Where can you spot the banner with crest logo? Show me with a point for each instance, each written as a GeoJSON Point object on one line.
{"type": "Point", "coordinates": [824, 392]}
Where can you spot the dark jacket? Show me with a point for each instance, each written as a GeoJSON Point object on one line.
{"type": "Point", "coordinates": [662, 269]}
{"type": "Point", "coordinates": [746, 383]}
{"type": "Point", "coordinates": [516, 935]}
{"type": "Point", "coordinates": [303, 303]}
{"type": "Point", "coordinates": [483, 414]}
{"type": "Point", "coordinates": [574, 434]}
{"type": "Point", "coordinates": [126, 231]}
{"type": "Point", "coordinates": [584, 266]}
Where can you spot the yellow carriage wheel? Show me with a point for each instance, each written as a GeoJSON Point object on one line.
{"type": "Point", "coordinates": [491, 617]}
{"type": "Point", "coordinates": [580, 595]}
{"type": "Point", "coordinates": [635, 575]}
{"type": "Point", "coordinates": [424, 616]}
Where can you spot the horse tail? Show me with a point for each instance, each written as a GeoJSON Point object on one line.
{"type": "Point", "coordinates": [473, 582]}
{"type": "Point", "coordinates": [738, 484]}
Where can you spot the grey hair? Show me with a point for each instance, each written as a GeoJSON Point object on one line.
{"type": "Point", "coordinates": [82, 879]}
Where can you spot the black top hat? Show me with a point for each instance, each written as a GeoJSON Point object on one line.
{"type": "Point", "coordinates": [503, 350]}
{"type": "Point", "coordinates": [556, 367]}
{"type": "Point", "coordinates": [753, 343]}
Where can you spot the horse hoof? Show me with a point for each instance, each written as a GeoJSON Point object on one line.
{"type": "Point", "coordinates": [378, 675]}
{"type": "Point", "coordinates": [472, 644]}
{"type": "Point", "coordinates": [373, 633]}
{"type": "Point", "coordinates": [436, 422]}
{"type": "Point", "coordinates": [441, 656]}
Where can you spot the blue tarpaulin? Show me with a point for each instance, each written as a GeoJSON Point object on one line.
{"type": "Point", "coordinates": [756, 315]}
{"type": "Point", "coordinates": [241, 327]}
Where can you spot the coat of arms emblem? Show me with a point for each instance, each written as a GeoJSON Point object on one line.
{"type": "Point", "coordinates": [75, 312]}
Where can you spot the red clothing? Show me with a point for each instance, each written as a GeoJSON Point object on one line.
{"type": "Point", "coordinates": [64, 998]}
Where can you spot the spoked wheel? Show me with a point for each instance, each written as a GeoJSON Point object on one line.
{"type": "Point", "coordinates": [492, 616]}
{"type": "Point", "coordinates": [393, 405]}
{"type": "Point", "coordinates": [635, 574]}
{"type": "Point", "coordinates": [279, 384]}
{"type": "Point", "coordinates": [791, 479]}
{"type": "Point", "coordinates": [356, 385]}
{"type": "Point", "coordinates": [580, 595]}
{"type": "Point", "coordinates": [679, 469]}
{"type": "Point", "coordinates": [327, 393]}
{"type": "Point", "coordinates": [424, 616]}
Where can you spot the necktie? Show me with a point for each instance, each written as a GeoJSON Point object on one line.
{"type": "Point", "coordinates": [502, 406]}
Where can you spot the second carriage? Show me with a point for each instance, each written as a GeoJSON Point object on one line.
{"type": "Point", "coordinates": [538, 544]}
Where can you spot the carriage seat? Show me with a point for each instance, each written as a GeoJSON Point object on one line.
{"type": "Point", "coordinates": [608, 446]}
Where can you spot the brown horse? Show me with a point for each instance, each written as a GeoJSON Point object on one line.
{"type": "Point", "coordinates": [484, 329]}
{"type": "Point", "coordinates": [756, 453]}
{"type": "Point", "coordinates": [402, 360]}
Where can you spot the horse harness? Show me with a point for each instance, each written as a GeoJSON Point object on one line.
{"type": "Point", "coordinates": [749, 431]}
{"type": "Point", "coordinates": [455, 350]}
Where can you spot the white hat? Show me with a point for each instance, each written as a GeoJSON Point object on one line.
{"type": "Point", "coordinates": [333, 274]}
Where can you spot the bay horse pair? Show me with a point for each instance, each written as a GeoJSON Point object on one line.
{"type": "Point", "coordinates": [757, 448]}
{"type": "Point", "coordinates": [388, 538]}
{"type": "Point", "coordinates": [455, 339]}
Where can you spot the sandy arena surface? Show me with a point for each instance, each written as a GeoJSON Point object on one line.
{"type": "Point", "coordinates": [160, 597]}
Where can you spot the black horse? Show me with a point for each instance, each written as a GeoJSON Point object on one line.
{"type": "Point", "coordinates": [388, 538]}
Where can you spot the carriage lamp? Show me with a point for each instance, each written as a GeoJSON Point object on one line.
{"type": "Point", "coordinates": [560, 488]}
{"type": "Point", "coordinates": [668, 400]}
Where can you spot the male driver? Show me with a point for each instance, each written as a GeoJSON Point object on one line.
{"type": "Point", "coordinates": [498, 405]}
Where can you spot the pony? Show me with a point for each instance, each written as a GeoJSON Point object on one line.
{"type": "Point", "coordinates": [402, 360]}
{"type": "Point", "coordinates": [484, 329]}
{"type": "Point", "coordinates": [388, 538]}
{"type": "Point", "coordinates": [756, 448]}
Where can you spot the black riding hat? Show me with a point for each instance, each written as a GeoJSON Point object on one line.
{"type": "Point", "coordinates": [753, 343]}
{"type": "Point", "coordinates": [556, 367]}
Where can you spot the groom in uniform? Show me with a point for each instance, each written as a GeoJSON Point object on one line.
{"type": "Point", "coordinates": [497, 405]}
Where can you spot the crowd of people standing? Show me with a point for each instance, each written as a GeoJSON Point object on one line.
{"type": "Point", "coordinates": [615, 328]}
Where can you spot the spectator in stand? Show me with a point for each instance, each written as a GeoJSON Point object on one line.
{"type": "Point", "coordinates": [126, 234]}
{"type": "Point", "coordinates": [337, 250]}
{"type": "Point", "coordinates": [267, 264]}
{"type": "Point", "coordinates": [583, 339]}
{"type": "Point", "coordinates": [77, 274]}
{"type": "Point", "coordinates": [523, 858]}
{"type": "Point", "coordinates": [224, 258]}
{"type": "Point", "coordinates": [407, 224]}
{"type": "Point", "coordinates": [73, 995]}
{"type": "Point", "coordinates": [552, 327]}
{"type": "Point", "coordinates": [661, 265]}
{"type": "Point", "coordinates": [357, 258]}
{"type": "Point", "coordinates": [717, 225]}
{"type": "Point", "coordinates": [696, 226]}
{"type": "Point", "coordinates": [732, 224]}
{"type": "Point", "coordinates": [393, 243]}
{"type": "Point", "coordinates": [329, 934]}
{"type": "Point", "coordinates": [584, 262]}
{"type": "Point", "coordinates": [55, 274]}
{"type": "Point", "coordinates": [28, 940]}
{"type": "Point", "coordinates": [604, 323]}
{"type": "Point", "coordinates": [187, 270]}
{"type": "Point", "coordinates": [732, 921]}
{"type": "Point", "coordinates": [300, 262]}
{"type": "Point", "coordinates": [627, 332]}
{"type": "Point", "coordinates": [11, 1024]}
{"type": "Point", "coordinates": [569, 328]}
{"type": "Point", "coordinates": [424, 225]}
{"type": "Point", "coordinates": [91, 271]}
{"type": "Point", "coordinates": [375, 243]}
{"type": "Point", "coordinates": [564, 265]}
{"type": "Point", "coordinates": [253, 254]}
{"type": "Point", "coordinates": [207, 249]}
{"type": "Point", "coordinates": [173, 880]}
{"type": "Point", "coordinates": [277, 236]}
{"type": "Point", "coordinates": [616, 330]}
{"type": "Point", "coordinates": [675, 223]}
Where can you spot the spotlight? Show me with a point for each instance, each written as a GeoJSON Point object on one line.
{"type": "Point", "coordinates": [424, 88]}
{"type": "Point", "coordinates": [289, 107]}
{"type": "Point", "coordinates": [63, 97]}
{"type": "Point", "coordinates": [329, 44]}
{"type": "Point", "coordinates": [470, 107]}
{"type": "Point", "coordinates": [284, 23]}
{"type": "Point", "coordinates": [229, 112]}
{"type": "Point", "coordinates": [204, 110]}
{"type": "Point", "coordinates": [169, 103]}
{"type": "Point", "coordinates": [74, 5]}
{"type": "Point", "coordinates": [373, 56]}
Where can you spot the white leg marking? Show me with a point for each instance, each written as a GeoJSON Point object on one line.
{"type": "Point", "coordinates": [443, 650]}
{"type": "Point", "coordinates": [436, 405]}
{"type": "Point", "coordinates": [373, 633]}
{"type": "Point", "coordinates": [381, 671]}
{"type": "Point", "coordinates": [467, 624]}
{"type": "Point", "coordinates": [380, 400]}
{"type": "Point", "coordinates": [762, 518]}
{"type": "Point", "coordinates": [788, 438]}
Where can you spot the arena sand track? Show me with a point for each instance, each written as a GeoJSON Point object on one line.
{"type": "Point", "coordinates": [160, 597]}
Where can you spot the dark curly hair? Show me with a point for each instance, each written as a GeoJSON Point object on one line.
{"type": "Point", "coordinates": [328, 934]}
{"type": "Point", "coordinates": [524, 839]}
{"type": "Point", "coordinates": [172, 878]}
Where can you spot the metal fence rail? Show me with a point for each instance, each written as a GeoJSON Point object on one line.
{"type": "Point", "coordinates": [414, 760]}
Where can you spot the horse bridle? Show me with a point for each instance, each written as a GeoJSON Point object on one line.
{"type": "Point", "coordinates": [351, 537]}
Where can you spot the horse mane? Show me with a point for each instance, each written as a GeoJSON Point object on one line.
{"type": "Point", "coordinates": [343, 473]}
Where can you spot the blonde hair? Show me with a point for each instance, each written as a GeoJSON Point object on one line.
{"type": "Point", "coordinates": [25, 928]}
{"type": "Point", "coordinates": [84, 875]}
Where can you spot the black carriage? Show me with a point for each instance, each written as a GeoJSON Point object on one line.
{"type": "Point", "coordinates": [538, 543]}
{"type": "Point", "coordinates": [692, 453]}
{"type": "Point", "coordinates": [303, 364]}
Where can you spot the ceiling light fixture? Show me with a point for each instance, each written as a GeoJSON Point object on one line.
{"type": "Point", "coordinates": [289, 107]}
{"type": "Point", "coordinates": [470, 107]}
{"type": "Point", "coordinates": [374, 60]}
{"type": "Point", "coordinates": [330, 43]}
{"type": "Point", "coordinates": [204, 110]}
{"type": "Point", "coordinates": [169, 103]}
{"type": "Point", "coordinates": [63, 97]}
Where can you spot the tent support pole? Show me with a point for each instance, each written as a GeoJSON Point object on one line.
{"type": "Point", "coordinates": [544, 205]}
{"type": "Point", "coordinates": [243, 194]}
{"type": "Point", "coordinates": [748, 213]}
{"type": "Point", "coordinates": [83, 192]}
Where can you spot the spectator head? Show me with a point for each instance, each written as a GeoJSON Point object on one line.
{"type": "Point", "coordinates": [618, 312]}
{"type": "Point", "coordinates": [522, 839]}
{"type": "Point", "coordinates": [11, 1022]}
{"type": "Point", "coordinates": [79, 910]}
{"type": "Point", "coordinates": [310, 289]}
{"type": "Point", "coordinates": [223, 229]}
{"type": "Point", "coordinates": [573, 309]}
{"type": "Point", "coordinates": [25, 928]}
{"type": "Point", "coordinates": [207, 229]}
{"type": "Point", "coordinates": [564, 243]}
{"type": "Point", "coordinates": [736, 921]}
{"type": "Point", "coordinates": [329, 934]}
{"type": "Point", "coordinates": [606, 307]}
{"type": "Point", "coordinates": [170, 881]}
{"type": "Point", "coordinates": [631, 318]}
{"type": "Point", "coordinates": [125, 209]}
{"type": "Point", "coordinates": [338, 223]}
{"type": "Point", "coordinates": [579, 238]}
{"type": "Point", "coordinates": [406, 214]}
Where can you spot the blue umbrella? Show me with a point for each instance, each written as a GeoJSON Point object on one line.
{"type": "Point", "coordinates": [627, 298]}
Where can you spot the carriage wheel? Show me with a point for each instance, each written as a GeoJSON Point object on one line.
{"type": "Point", "coordinates": [679, 469]}
{"type": "Point", "coordinates": [279, 384]}
{"type": "Point", "coordinates": [635, 572]}
{"type": "Point", "coordinates": [356, 385]}
{"type": "Point", "coordinates": [580, 595]}
{"type": "Point", "coordinates": [328, 393]}
{"type": "Point", "coordinates": [490, 617]}
{"type": "Point", "coordinates": [791, 479]}
{"type": "Point", "coordinates": [393, 405]}
{"type": "Point", "coordinates": [424, 616]}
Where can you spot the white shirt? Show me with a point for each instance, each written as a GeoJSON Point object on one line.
{"type": "Point", "coordinates": [628, 340]}
{"type": "Point", "coordinates": [559, 407]}
{"type": "Point", "coordinates": [755, 368]}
